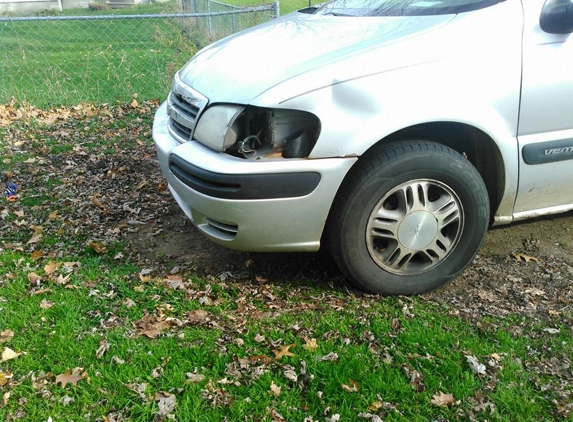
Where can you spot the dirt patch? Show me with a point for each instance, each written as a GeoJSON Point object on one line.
{"type": "Point", "coordinates": [534, 256]}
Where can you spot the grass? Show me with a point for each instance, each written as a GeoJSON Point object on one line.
{"type": "Point", "coordinates": [222, 349]}
{"type": "Point", "coordinates": [48, 63]}
{"type": "Point", "coordinates": [68, 334]}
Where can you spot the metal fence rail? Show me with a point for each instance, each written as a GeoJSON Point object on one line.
{"type": "Point", "coordinates": [49, 60]}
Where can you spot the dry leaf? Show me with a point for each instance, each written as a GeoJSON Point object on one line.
{"type": "Point", "coordinates": [283, 352]}
{"type": "Point", "coordinates": [46, 304]}
{"type": "Point", "coordinates": [310, 345]}
{"type": "Point", "coordinates": [9, 354]}
{"type": "Point", "coordinates": [197, 316]}
{"type": "Point", "coordinates": [152, 330]}
{"type": "Point", "coordinates": [4, 378]}
{"type": "Point", "coordinates": [71, 377]}
{"type": "Point", "coordinates": [6, 336]}
{"type": "Point", "coordinates": [34, 279]}
{"type": "Point", "coordinates": [36, 255]}
{"type": "Point", "coordinates": [53, 215]}
{"type": "Point", "coordinates": [524, 258]}
{"type": "Point", "coordinates": [332, 356]}
{"type": "Point", "coordinates": [351, 387]}
{"type": "Point", "coordinates": [98, 247]}
{"type": "Point", "coordinates": [166, 402]}
{"type": "Point", "coordinates": [476, 367]}
{"type": "Point", "coordinates": [194, 378]}
{"type": "Point", "coordinates": [375, 406]}
{"type": "Point", "coordinates": [128, 303]}
{"type": "Point", "coordinates": [19, 213]}
{"type": "Point", "coordinates": [442, 400]}
{"type": "Point", "coordinates": [275, 389]}
{"type": "Point", "coordinates": [51, 267]}
{"type": "Point", "coordinates": [37, 236]}
{"type": "Point", "coordinates": [97, 202]}
{"type": "Point", "coordinates": [103, 348]}
{"type": "Point", "coordinates": [134, 103]}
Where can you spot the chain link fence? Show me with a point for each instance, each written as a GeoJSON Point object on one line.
{"type": "Point", "coordinates": [53, 60]}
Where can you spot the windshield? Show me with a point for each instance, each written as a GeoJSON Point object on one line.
{"type": "Point", "coordinates": [401, 7]}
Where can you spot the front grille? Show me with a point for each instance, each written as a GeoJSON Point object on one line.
{"type": "Point", "coordinates": [184, 105]}
{"type": "Point", "coordinates": [181, 131]}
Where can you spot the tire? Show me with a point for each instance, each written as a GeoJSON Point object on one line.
{"type": "Point", "coordinates": [409, 217]}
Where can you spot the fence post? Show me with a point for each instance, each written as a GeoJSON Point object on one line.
{"type": "Point", "coordinates": [276, 9]}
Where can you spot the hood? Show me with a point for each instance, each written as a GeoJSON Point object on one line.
{"type": "Point", "coordinates": [239, 68]}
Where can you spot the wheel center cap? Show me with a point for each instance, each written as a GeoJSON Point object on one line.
{"type": "Point", "coordinates": [418, 230]}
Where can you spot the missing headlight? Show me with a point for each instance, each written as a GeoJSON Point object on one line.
{"type": "Point", "coordinates": [276, 133]}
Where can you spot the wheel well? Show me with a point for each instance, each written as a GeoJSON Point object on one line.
{"type": "Point", "coordinates": [472, 143]}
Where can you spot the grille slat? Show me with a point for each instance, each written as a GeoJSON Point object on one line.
{"type": "Point", "coordinates": [184, 105]}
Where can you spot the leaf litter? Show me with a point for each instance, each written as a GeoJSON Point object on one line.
{"type": "Point", "coordinates": [112, 191]}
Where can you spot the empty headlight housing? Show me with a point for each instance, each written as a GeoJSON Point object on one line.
{"type": "Point", "coordinates": [255, 132]}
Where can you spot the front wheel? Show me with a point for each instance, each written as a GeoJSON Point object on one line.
{"type": "Point", "coordinates": [409, 218]}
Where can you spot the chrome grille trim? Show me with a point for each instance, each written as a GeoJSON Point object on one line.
{"type": "Point", "coordinates": [184, 106]}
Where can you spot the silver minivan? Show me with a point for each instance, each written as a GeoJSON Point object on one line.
{"type": "Point", "coordinates": [392, 132]}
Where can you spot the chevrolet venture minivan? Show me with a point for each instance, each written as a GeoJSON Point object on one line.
{"type": "Point", "coordinates": [393, 132]}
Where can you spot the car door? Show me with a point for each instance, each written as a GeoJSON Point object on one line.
{"type": "Point", "coordinates": [545, 131]}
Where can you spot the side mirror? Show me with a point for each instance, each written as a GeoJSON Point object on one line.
{"type": "Point", "coordinates": [557, 17]}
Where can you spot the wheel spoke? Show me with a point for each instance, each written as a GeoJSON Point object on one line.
{"type": "Point", "coordinates": [383, 227]}
{"type": "Point", "coordinates": [400, 258]}
{"type": "Point", "coordinates": [414, 227]}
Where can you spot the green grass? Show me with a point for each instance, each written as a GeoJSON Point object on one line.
{"type": "Point", "coordinates": [48, 63]}
{"type": "Point", "coordinates": [68, 334]}
{"type": "Point", "coordinates": [381, 344]}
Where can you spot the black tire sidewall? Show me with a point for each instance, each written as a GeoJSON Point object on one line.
{"type": "Point", "coordinates": [452, 170]}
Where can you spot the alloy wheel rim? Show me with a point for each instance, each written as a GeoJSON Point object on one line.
{"type": "Point", "coordinates": [414, 227]}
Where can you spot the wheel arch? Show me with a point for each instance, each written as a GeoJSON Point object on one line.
{"type": "Point", "coordinates": [474, 144]}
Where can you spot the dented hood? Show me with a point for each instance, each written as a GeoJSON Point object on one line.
{"type": "Point", "coordinates": [241, 67]}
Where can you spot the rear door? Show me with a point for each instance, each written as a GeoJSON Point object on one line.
{"type": "Point", "coordinates": [545, 130]}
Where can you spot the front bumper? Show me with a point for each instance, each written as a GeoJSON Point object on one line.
{"type": "Point", "coordinates": [252, 205]}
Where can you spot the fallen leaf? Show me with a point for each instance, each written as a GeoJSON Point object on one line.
{"type": "Point", "coordinates": [275, 389]}
{"type": "Point", "coordinates": [51, 267]}
{"type": "Point", "coordinates": [290, 374]}
{"type": "Point", "coordinates": [310, 345]}
{"type": "Point", "coordinates": [351, 387]}
{"type": "Point", "coordinates": [53, 215]}
{"type": "Point", "coordinates": [34, 279]}
{"type": "Point", "coordinates": [166, 403]}
{"type": "Point", "coordinates": [46, 304]}
{"type": "Point", "coordinates": [98, 247]}
{"type": "Point", "coordinates": [6, 336]}
{"type": "Point", "coordinates": [71, 377]}
{"type": "Point", "coordinates": [197, 316]}
{"type": "Point", "coordinates": [36, 255]}
{"type": "Point", "coordinates": [375, 406]}
{"type": "Point", "coordinates": [128, 303]}
{"type": "Point", "coordinates": [442, 400]}
{"type": "Point", "coordinates": [37, 236]}
{"type": "Point", "coordinates": [259, 338]}
{"type": "Point", "coordinates": [9, 354]}
{"type": "Point", "coordinates": [95, 200]}
{"type": "Point", "coordinates": [332, 356]}
{"type": "Point", "coordinates": [476, 367]}
{"type": "Point", "coordinates": [103, 348]}
{"type": "Point", "coordinates": [524, 258]}
{"type": "Point", "coordinates": [284, 351]}
{"type": "Point", "coordinates": [4, 378]}
{"type": "Point", "coordinates": [152, 329]}
{"type": "Point", "coordinates": [194, 378]}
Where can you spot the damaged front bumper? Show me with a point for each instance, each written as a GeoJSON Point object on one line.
{"type": "Point", "coordinates": [253, 205]}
